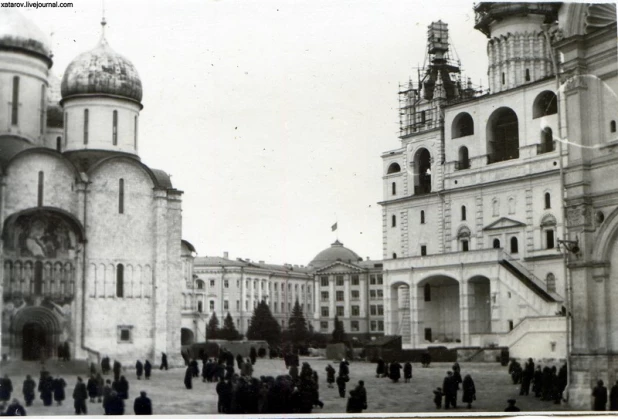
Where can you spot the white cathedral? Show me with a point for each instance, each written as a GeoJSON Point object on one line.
{"type": "Point", "coordinates": [91, 236]}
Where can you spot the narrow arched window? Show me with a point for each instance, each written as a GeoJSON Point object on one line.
{"type": "Point", "coordinates": [15, 102]}
{"type": "Point", "coordinates": [464, 161]}
{"type": "Point", "coordinates": [527, 74]}
{"type": "Point", "coordinates": [393, 221]}
{"type": "Point", "coordinates": [612, 126]}
{"type": "Point", "coordinates": [496, 244]}
{"type": "Point", "coordinates": [42, 111]}
{"type": "Point", "coordinates": [495, 208]}
{"type": "Point", "coordinates": [465, 245]}
{"type": "Point", "coordinates": [463, 213]}
{"type": "Point", "coordinates": [547, 200]}
{"type": "Point", "coordinates": [427, 292]}
{"type": "Point", "coordinates": [59, 144]}
{"type": "Point", "coordinates": [38, 278]}
{"type": "Point", "coordinates": [550, 281]}
{"type": "Point", "coordinates": [121, 196]}
{"type": "Point", "coordinates": [40, 189]}
{"type": "Point", "coordinates": [115, 128]}
{"type": "Point", "coordinates": [503, 78]}
{"type": "Point", "coordinates": [120, 280]}
{"type": "Point", "coordinates": [66, 127]}
{"type": "Point", "coordinates": [135, 132]}
{"type": "Point", "coordinates": [422, 217]}
{"type": "Point", "coordinates": [86, 125]}
{"type": "Point", "coordinates": [423, 117]}
{"type": "Point", "coordinates": [549, 238]}
{"type": "Point", "coordinates": [394, 188]}
{"type": "Point", "coordinates": [514, 245]}
{"type": "Point", "coordinates": [394, 255]}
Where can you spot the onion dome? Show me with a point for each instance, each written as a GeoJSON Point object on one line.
{"type": "Point", "coordinates": [102, 71]}
{"type": "Point", "coordinates": [55, 113]}
{"type": "Point", "coordinates": [18, 33]}
{"type": "Point", "coordinates": [336, 252]}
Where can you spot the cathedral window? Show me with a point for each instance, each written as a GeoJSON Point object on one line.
{"type": "Point", "coordinates": [393, 221]}
{"type": "Point", "coordinates": [125, 334]}
{"type": "Point", "coordinates": [423, 117]}
{"type": "Point", "coordinates": [464, 160]}
{"type": "Point", "coordinates": [58, 144]}
{"type": "Point", "coordinates": [612, 126]}
{"type": "Point", "coordinates": [427, 292]}
{"type": "Point", "coordinates": [423, 250]}
{"type": "Point", "coordinates": [42, 111]}
{"type": "Point", "coordinates": [514, 245]}
{"type": "Point", "coordinates": [135, 132]}
{"type": "Point", "coordinates": [510, 325]}
{"type": "Point", "coordinates": [463, 125]}
{"type": "Point", "coordinates": [115, 128]}
{"type": "Point", "coordinates": [66, 127]}
{"type": "Point", "coordinates": [199, 284]}
{"type": "Point", "coordinates": [549, 239]}
{"type": "Point", "coordinates": [393, 168]}
{"type": "Point", "coordinates": [394, 255]}
{"type": "Point", "coordinates": [464, 245]}
{"type": "Point", "coordinates": [422, 217]}
{"type": "Point", "coordinates": [547, 200]}
{"type": "Point", "coordinates": [121, 196]}
{"type": "Point", "coordinates": [38, 278]}
{"type": "Point", "coordinates": [15, 102]}
{"type": "Point", "coordinates": [527, 74]}
{"type": "Point", "coordinates": [212, 305]}
{"type": "Point", "coordinates": [463, 213]}
{"type": "Point", "coordinates": [120, 280]}
{"type": "Point", "coordinates": [394, 188]}
{"type": "Point", "coordinates": [503, 78]}
{"type": "Point", "coordinates": [546, 103]}
{"type": "Point", "coordinates": [550, 281]}
{"type": "Point", "coordinates": [496, 244]}
{"type": "Point", "coordinates": [200, 306]}
{"type": "Point", "coordinates": [40, 189]}
{"type": "Point", "coordinates": [86, 125]}
{"type": "Point", "coordinates": [502, 136]}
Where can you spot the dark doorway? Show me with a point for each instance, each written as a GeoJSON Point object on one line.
{"type": "Point", "coordinates": [34, 342]}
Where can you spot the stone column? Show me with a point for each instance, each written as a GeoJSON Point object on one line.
{"type": "Point", "coordinates": [415, 339]}
{"type": "Point", "coordinates": [464, 311]}
{"type": "Point", "coordinates": [79, 313]}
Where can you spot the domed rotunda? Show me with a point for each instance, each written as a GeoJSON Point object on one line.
{"type": "Point", "coordinates": [336, 252]}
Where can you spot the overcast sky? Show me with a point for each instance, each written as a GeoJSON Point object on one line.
{"type": "Point", "coordinates": [270, 115]}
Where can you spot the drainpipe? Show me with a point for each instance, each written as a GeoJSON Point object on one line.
{"type": "Point", "coordinates": [84, 270]}
{"type": "Point", "coordinates": [566, 272]}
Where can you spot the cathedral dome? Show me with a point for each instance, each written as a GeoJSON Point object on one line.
{"type": "Point", "coordinates": [336, 252]}
{"type": "Point", "coordinates": [19, 33]}
{"type": "Point", "coordinates": [102, 71]}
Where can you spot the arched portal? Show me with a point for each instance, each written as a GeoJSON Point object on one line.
{"type": "Point", "coordinates": [34, 345]}
{"type": "Point", "coordinates": [502, 135]}
{"type": "Point", "coordinates": [479, 304]}
{"type": "Point", "coordinates": [186, 336]}
{"type": "Point", "coordinates": [35, 333]}
{"type": "Point", "coordinates": [438, 310]}
{"type": "Point", "coordinates": [400, 311]}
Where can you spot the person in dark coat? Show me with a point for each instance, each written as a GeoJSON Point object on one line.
{"type": "Point", "coordinates": [80, 394]}
{"type": "Point", "coordinates": [195, 368]}
{"type": "Point", "coordinates": [469, 391]}
{"type": "Point", "coordinates": [600, 397]}
{"type": "Point", "coordinates": [341, 380]}
{"type": "Point", "coordinates": [511, 406]}
{"type": "Point", "coordinates": [163, 361]}
{"type": "Point", "coordinates": [189, 378]}
{"type": "Point", "coordinates": [450, 387]}
{"type": "Point", "coordinates": [457, 373]}
{"type": "Point", "coordinates": [14, 409]}
{"type": "Point", "coordinates": [344, 367]}
{"type": "Point", "coordinates": [6, 388]}
{"type": "Point", "coordinates": [91, 386]}
{"type": "Point", "coordinates": [59, 385]}
{"type": "Point", "coordinates": [147, 369]}
{"type": "Point", "coordinates": [239, 361]}
{"type": "Point", "coordinates": [437, 397]}
{"type": "Point", "coordinates": [46, 388]}
{"type": "Point", "coordinates": [117, 369]}
{"type": "Point", "coordinates": [115, 404]}
{"type": "Point", "coordinates": [407, 372]}
{"type": "Point", "coordinates": [139, 369]}
{"type": "Point", "coordinates": [122, 388]}
{"type": "Point", "coordinates": [380, 368]}
{"type": "Point", "coordinates": [142, 404]}
{"type": "Point", "coordinates": [354, 404]}
{"type": "Point", "coordinates": [613, 398]}
{"type": "Point", "coordinates": [395, 371]}
{"type": "Point", "coordinates": [526, 378]}
{"type": "Point", "coordinates": [330, 375]}
{"type": "Point", "coordinates": [28, 390]}
{"type": "Point", "coordinates": [563, 379]}
{"type": "Point", "coordinates": [107, 392]}
{"type": "Point", "coordinates": [252, 355]}
{"type": "Point", "coordinates": [426, 359]}
{"type": "Point", "coordinates": [100, 384]}
{"type": "Point", "coordinates": [224, 391]}
{"type": "Point", "coordinates": [105, 365]}
{"type": "Point", "coordinates": [537, 382]}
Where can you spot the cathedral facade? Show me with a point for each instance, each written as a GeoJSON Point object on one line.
{"type": "Point", "coordinates": [91, 236]}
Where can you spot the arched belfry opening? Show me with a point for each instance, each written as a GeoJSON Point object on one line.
{"type": "Point", "coordinates": [502, 135]}
{"type": "Point", "coordinates": [41, 248]}
{"type": "Point", "coordinates": [422, 172]}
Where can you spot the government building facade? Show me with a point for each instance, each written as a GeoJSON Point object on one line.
{"type": "Point", "coordinates": [91, 236]}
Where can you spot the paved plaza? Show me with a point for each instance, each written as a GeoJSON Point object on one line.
{"type": "Point", "coordinates": [169, 396]}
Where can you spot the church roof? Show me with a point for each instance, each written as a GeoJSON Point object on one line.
{"type": "Point", "coordinates": [17, 33]}
{"type": "Point", "coordinates": [10, 146]}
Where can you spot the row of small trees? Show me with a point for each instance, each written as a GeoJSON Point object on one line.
{"type": "Point", "coordinates": [263, 326]}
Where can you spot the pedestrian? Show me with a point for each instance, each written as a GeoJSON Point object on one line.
{"type": "Point", "coordinates": [100, 384]}
{"type": "Point", "coordinates": [123, 388]}
{"type": "Point", "coordinates": [341, 380]}
{"type": "Point", "coordinates": [293, 371]}
{"type": "Point", "coordinates": [117, 369]}
{"type": "Point", "coordinates": [437, 397]}
{"type": "Point", "coordinates": [46, 388]}
{"type": "Point", "coordinates": [527, 377]}
{"type": "Point", "coordinates": [537, 382]}
{"type": "Point", "coordinates": [115, 404]}
{"type": "Point", "coordinates": [600, 396]}
{"type": "Point", "coordinates": [469, 391]}
{"type": "Point", "coordinates": [147, 369]}
{"type": "Point", "coordinates": [163, 361]}
{"type": "Point", "coordinates": [380, 368]}
{"type": "Point", "coordinates": [407, 372]}
{"type": "Point", "coordinates": [450, 387]}
{"type": "Point", "coordinates": [59, 385]}
{"type": "Point", "coordinates": [107, 392]}
{"type": "Point", "coordinates": [14, 409]}
{"type": "Point", "coordinates": [195, 368]}
{"type": "Point", "coordinates": [253, 355]}
{"type": "Point", "coordinates": [344, 367]}
{"type": "Point", "coordinates": [511, 406]}
{"type": "Point", "coordinates": [91, 386]}
{"type": "Point", "coordinates": [457, 373]}
{"type": "Point", "coordinates": [395, 371]}
{"type": "Point", "coordinates": [28, 390]}
{"type": "Point", "coordinates": [189, 378]}
{"type": "Point", "coordinates": [139, 369]}
{"type": "Point", "coordinates": [142, 404]}
{"type": "Point", "coordinates": [239, 361]}
{"type": "Point", "coordinates": [80, 394]}
{"type": "Point", "coordinates": [6, 388]}
{"type": "Point", "coordinates": [330, 375]}
{"type": "Point", "coordinates": [105, 366]}
{"type": "Point", "coordinates": [354, 404]}
{"type": "Point", "coordinates": [224, 391]}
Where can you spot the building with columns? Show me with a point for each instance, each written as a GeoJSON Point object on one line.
{"type": "Point", "coordinates": [91, 236]}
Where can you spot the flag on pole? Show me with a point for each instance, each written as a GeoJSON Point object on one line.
{"type": "Point", "coordinates": [334, 227]}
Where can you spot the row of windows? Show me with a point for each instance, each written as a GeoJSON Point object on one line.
{"type": "Point", "coordinates": [375, 326]}
{"type": "Point", "coordinates": [86, 126]}
{"type": "Point", "coordinates": [226, 306]}
{"type": "Point", "coordinates": [354, 280]}
{"type": "Point", "coordinates": [200, 285]}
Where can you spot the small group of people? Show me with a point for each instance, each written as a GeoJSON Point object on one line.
{"type": "Point", "coordinates": [548, 383]}
{"type": "Point", "coordinates": [393, 370]}
{"type": "Point", "coordinates": [599, 395]}
{"type": "Point", "coordinates": [450, 387]}
{"type": "Point", "coordinates": [145, 369]}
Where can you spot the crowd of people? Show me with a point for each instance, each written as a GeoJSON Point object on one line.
{"type": "Point", "coordinates": [546, 383]}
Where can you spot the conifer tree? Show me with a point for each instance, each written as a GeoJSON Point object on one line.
{"type": "Point", "coordinates": [297, 325]}
{"type": "Point", "coordinates": [212, 328]}
{"type": "Point", "coordinates": [228, 331]}
{"type": "Point", "coordinates": [263, 325]}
